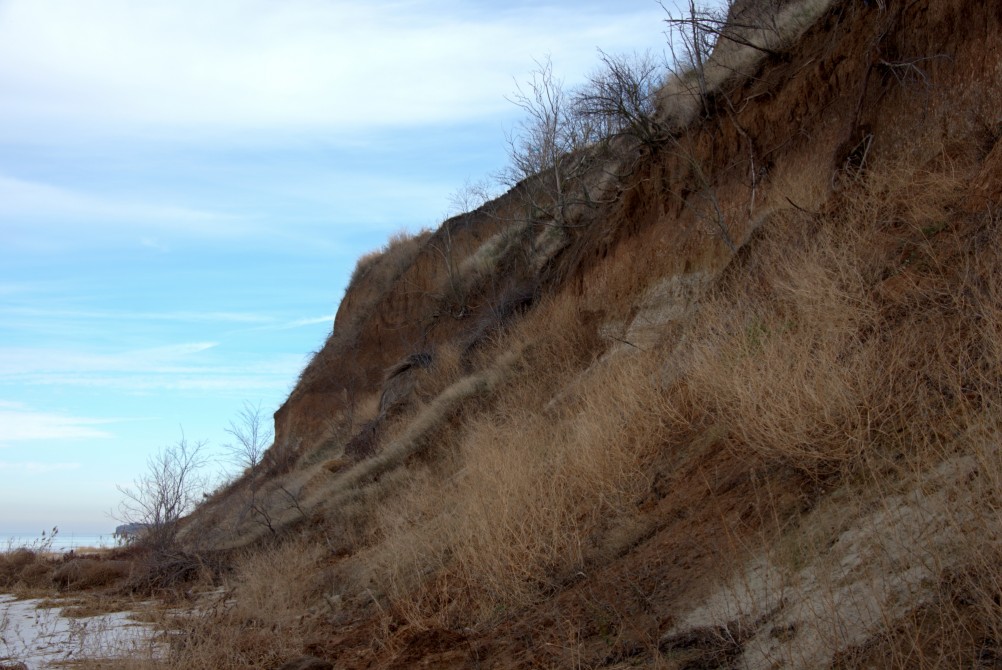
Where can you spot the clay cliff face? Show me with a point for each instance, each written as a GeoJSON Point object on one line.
{"type": "Point", "coordinates": [741, 408]}
{"type": "Point", "coordinates": [864, 83]}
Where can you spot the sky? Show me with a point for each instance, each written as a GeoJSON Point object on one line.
{"type": "Point", "coordinates": [185, 187]}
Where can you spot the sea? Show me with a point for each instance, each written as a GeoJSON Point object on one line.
{"type": "Point", "coordinates": [62, 542]}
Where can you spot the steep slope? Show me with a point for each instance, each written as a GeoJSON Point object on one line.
{"type": "Point", "coordinates": [743, 411]}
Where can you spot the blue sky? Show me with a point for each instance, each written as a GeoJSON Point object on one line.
{"type": "Point", "coordinates": [185, 187]}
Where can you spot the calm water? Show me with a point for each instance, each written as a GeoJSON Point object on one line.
{"type": "Point", "coordinates": [62, 542]}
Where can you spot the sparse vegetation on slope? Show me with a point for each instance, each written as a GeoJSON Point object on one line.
{"type": "Point", "coordinates": [741, 410]}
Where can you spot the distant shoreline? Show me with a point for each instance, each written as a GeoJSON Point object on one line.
{"type": "Point", "coordinates": [61, 543]}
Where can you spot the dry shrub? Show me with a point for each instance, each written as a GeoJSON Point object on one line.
{"type": "Point", "coordinates": [553, 342]}
{"type": "Point", "coordinates": [849, 333]}
{"type": "Point", "coordinates": [271, 586]}
{"type": "Point", "coordinates": [85, 573]}
{"type": "Point", "coordinates": [363, 443]}
{"type": "Point", "coordinates": [865, 344]}
{"type": "Point", "coordinates": [395, 257]}
{"type": "Point", "coordinates": [13, 562]}
{"type": "Point", "coordinates": [531, 499]}
{"type": "Point", "coordinates": [407, 545]}
{"type": "Point", "coordinates": [257, 621]}
{"type": "Point", "coordinates": [356, 410]}
{"type": "Point", "coordinates": [781, 355]}
{"type": "Point", "coordinates": [537, 490]}
{"type": "Point", "coordinates": [485, 260]}
{"type": "Point", "coordinates": [168, 573]}
{"type": "Point", "coordinates": [445, 369]}
{"type": "Point", "coordinates": [23, 569]}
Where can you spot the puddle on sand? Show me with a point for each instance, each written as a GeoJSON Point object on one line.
{"type": "Point", "coordinates": [41, 638]}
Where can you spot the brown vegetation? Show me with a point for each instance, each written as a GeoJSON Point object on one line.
{"type": "Point", "coordinates": [746, 416]}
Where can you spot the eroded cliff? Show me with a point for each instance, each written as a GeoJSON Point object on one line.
{"type": "Point", "coordinates": [740, 409]}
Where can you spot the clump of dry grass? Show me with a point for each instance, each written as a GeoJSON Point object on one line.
{"type": "Point", "coordinates": [537, 490]}
{"type": "Point", "coordinates": [862, 347]}
{"type": "Point", "coordinates": [257, 619]}
{"type": "Point", "coordinates": [485, 260]}
{"type": "Point", "coordinates": [86, 573]}
{"type": "Point", "coordinates": [847, 334]}
{"type": "Point", "coordinates": [393, 258]}
{"type": "Point", "coordinates": [781, 354]}
{"type": "Point", "coordinates": [525, 500]}
{"type": "Point", "coordinates": [23, 570]}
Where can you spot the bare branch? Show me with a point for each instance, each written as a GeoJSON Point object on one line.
{"type": "Point", "coordinates": [621, 97]}
{"type": "Point", "coordinates": [548, 149]}
{"type": "Point", "coordinates": [170, 489]}
{"type": "Point", "coordinates": [252, 433]}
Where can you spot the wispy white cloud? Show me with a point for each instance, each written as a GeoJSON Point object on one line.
{"type": "Point", "coordinates": [22, 288]}
{"type": "Point", "coordinates": [235, 64]}
{"type": "Point", "coordinates": [20, 423]}
{"type": "Point", "coordinates": [310, 321]}
{"type": "Point", "coordinates": [122, 315]}
{"type": "Point", "coordinates": [155, 244]}
{"type": "Point", "coordinates": [183, 367]}
{"type": "Point", "coordinates": [327, 319]}
{"type": "Point", "coordinates": [28, 201]}
{"type": "Point", "coordinates": [232, 381]}
{"type": "Point", "coordinates": [36, 467]}
{"type": "Point", "coordinates": [27, 360]}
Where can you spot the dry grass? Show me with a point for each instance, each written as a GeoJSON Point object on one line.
{"type": "Point", "coordinates": [256, 620]}
{"type": "Point", "coordinates": [538, 490]}
{"type": "Point", "coordinates": [86, 573]}
{"type": "Point", "coordinates": [392, 259]}
{"type": "Point", "coordinates": [485, 260]}
{"type": "Point", "coordinates": [24, 571]}
{"type": "Point", "coordinates": [843, 334]}
{"type": "Point", "coordinates": [782, 355]}
{"type": "Point", "coordinates": [862, 347]}
{"type": "Point", "coordinates": [526, 499]}
{"type": "Point", "coordinates": [763, 27]}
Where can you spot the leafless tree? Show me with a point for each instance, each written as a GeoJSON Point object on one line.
{"type": "Point", "coordinates": [472, 196]}
{"type": "Point", "coordinates": [252, 434]}
{"type": "Point", "coordinates": [169, 489]}
{"type": "Point", "coordinates": [692, 34]}
{"type": "Point", "coordinates": [548, 148]}
{"type": "Point", "coordinates": [748, 23]}
{"type": "Point", "coordinates": [620, 98]}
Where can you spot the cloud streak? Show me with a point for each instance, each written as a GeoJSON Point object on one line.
{"type": "Point", "coordinates": [36, 468]}
{"type": "Point", "coordinates": [20, 423]}
{"type": "Point", "coordinates": [20, 361]}
{"type": "Point", "coordinates": [327, 319]}
{"type": "Point", "coordinates": [235, 64]}
{"type": "Point", "coordinates": [110, 315]}
{"type": "Point", "coordinates": [30, 201]}
{"type": "Point", "coordinates": [179, 368]}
